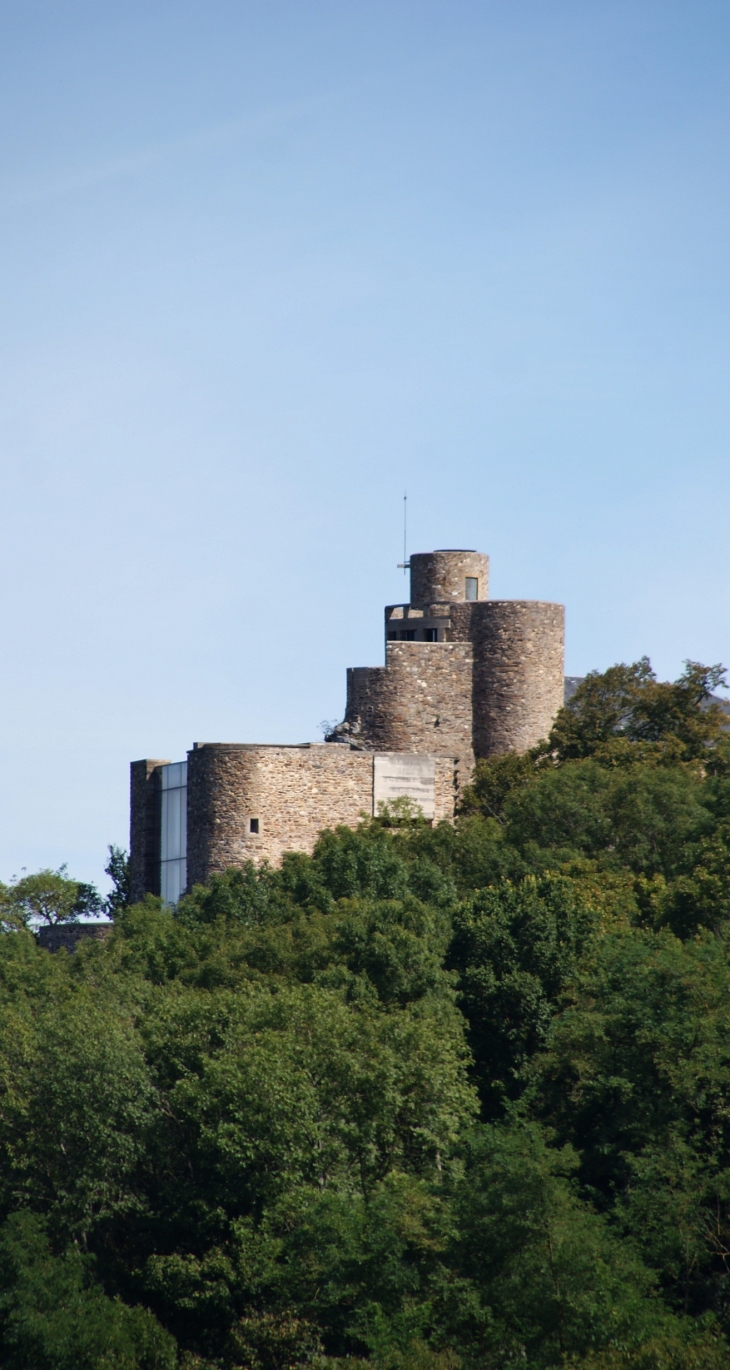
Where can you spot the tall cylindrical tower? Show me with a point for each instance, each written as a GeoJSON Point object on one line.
{"type": "Point", "coordinates": [448, 576]}
{"type": "Point", "coordinates": [518, 673]}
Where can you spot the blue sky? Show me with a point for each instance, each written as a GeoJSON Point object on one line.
{"type": "Point", "coordinates": [267, 265]}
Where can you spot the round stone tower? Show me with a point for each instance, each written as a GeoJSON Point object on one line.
{"type": "Point", "coordinates": [464, 675]}
{"type": "Point", "coordinates": [448, 576]}
{"type": "Point", "coordinates": [518, 647]}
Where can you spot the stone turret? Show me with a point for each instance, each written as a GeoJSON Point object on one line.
{"type": "Point", "coordinates": [448, 576]}
{"type": "Point", "coordinates": [438, 580]}
{"type": "Point", "coordinates": [464, 675]}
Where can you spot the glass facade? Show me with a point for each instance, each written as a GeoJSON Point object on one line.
{"type": "Point", "coordinates": [173, 830]}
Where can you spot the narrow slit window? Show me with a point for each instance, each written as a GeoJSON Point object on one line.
{"type": "Point", "coordinates": [253, 824]}
{"type": "Point", "coordinates": [472, 587]}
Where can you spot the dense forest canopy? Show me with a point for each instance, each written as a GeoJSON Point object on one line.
{"type": "Point", "coordinates": [432, 1098]}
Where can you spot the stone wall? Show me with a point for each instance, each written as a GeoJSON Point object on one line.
{"type": "Point", "coordinates": [291, 793]}
{"type": "Point", "coordinates": [440, 577]}
{"type": "Point", "coordinates": [144, 828]}
{"type": "Point", "coordinates": [420, 701]}
{"type": "Point", "coordinates": [451, 776]}
{"type": "Point", "coordinates": [68, 935]}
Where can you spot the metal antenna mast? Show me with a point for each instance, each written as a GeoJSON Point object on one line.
{"type": "Point", "coordinates": [405, 563]}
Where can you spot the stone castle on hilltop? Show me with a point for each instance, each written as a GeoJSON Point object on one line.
{"type": "Point", "coordinates": [465, 677]}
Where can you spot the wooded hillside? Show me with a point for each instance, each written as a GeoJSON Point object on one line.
{"type": "Point", "coordinates": [432, 1098]}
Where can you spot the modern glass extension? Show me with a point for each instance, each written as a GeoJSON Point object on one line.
{"type": "Point", "coordinates": [173, 831]}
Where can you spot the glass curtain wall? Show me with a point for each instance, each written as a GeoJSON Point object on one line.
{"type": "Point", "coordinates": [173, 831]}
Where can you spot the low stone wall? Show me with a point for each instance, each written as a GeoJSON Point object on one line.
{"type": "Point", "coordinates": [68, 935]}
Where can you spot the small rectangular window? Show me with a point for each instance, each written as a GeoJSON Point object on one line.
{"type": "Point", "coordinates": [472, 587]}
{"type": "Point", "coordinates": [392, 637]}
{"type": "Point", "coordinates": [430, 635]}
{"type": "Point", "coordinates": [253, 824]}
{"type": "Point", "coordinates": [409, 635]}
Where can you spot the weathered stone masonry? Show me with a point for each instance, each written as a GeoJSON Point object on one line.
{"type": "Point", "coordinates": [254, 803]}
{"type": "Point", "coordinates": [518, 673]}
{"type": "Point", "coordinates": [473, 676]}
{"type": "Point", "coordinates": [441, 577]}
{"type": "Point", "coordinates": [144, 826]}
{"type": "Point", "coordinates": [464, 677]}
{"type": "Point", "coordinates": [291, 794]}
{"type": "Point", "coordinates": [420, 701]}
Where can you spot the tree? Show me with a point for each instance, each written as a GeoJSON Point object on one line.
{"type": "Point", "coordinates": [48, 897]}
{"type": "Point", "coordinates": [636, 1076]}
{"type": "Point", "coordinates": [640, 816]}
{"type": "Point", "coordinates": [54, 1317]}
{"type": "Point", "coordinates": [548, 1281]}
{"type": "Point", "coordinates": [250, 1121]}
{"type": "Point", "coordinates": [628, 705]}
{"type": "Point", "coordinates": [117, 868]}
{"type": "Point", "coordinates": [515, 947]}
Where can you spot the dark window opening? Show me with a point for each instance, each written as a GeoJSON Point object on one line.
{"type": "Point", "coordinates": [409, 635]}
{"type": "Point", "coordinates": [392, 637]}
{"type": "Point", "coordinates": [430, 635]}
{"type": "Point", "coordinates": [253, 824]}
{"type": "Point", "coordinates": [472, 587]}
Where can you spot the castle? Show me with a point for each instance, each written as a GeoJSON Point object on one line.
{"type": "Point", "coordinates": [465, 677]}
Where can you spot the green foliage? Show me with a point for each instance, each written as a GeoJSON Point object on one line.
{"type": "Point", "coordinates": [638, 816]}
{"type": "Point", "coordinates": [54, 1317]}
{"type": "Point", "coordinates": [628, 705]}
{"type": "Point", "coordinates": [516, 947]}
{"type": "Point", "coordinates": [77, 1101]}
{"type": "Point", "coordinates": [495, 780]}
{"type": "Point", "coordinates": [46, 897]}
{"type": "Point", "coordinates": [637, 1077]}
{"type": "Point", "coordinates": [547, 1277]}
{"type": "Point", "coordinates": [117, 868]}
{"type": "Point", "coordinates": [451, 1097]}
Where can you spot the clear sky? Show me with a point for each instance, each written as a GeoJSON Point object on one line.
{"type": "Point", "coordinates": [265, 266]}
